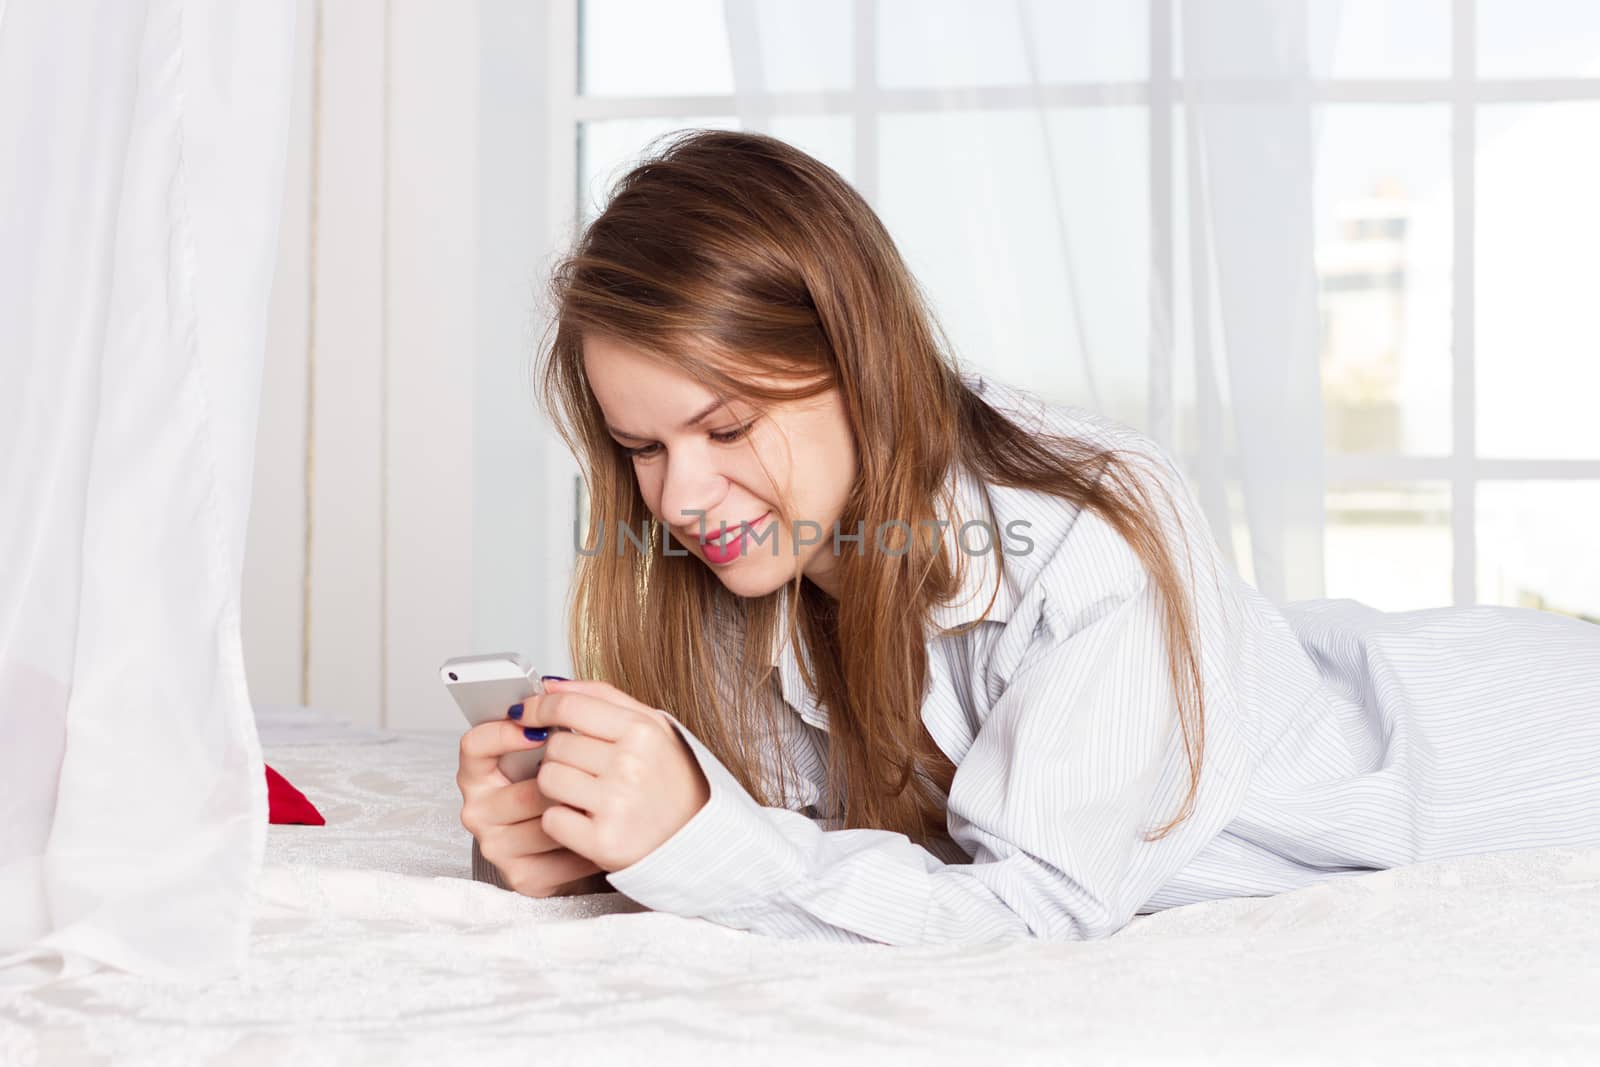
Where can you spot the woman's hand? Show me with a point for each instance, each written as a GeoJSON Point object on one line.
{"type": "Point", "coordinates": [504, 816]}
{"type": "Point", "coordinates": [620, 785]}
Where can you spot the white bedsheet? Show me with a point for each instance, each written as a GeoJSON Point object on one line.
{"type": "Point", "coordinates": [372, 945]}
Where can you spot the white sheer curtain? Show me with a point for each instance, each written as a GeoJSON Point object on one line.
{"type": "Point", "coordinates": [1060, 249]}
{"type": "Point", "coordinates": [138, 218]}
{"type": "Point", "coordinates": [1248, 131]}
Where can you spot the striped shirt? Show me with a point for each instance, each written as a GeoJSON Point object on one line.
{"type": "Point", "coordinates": [1338, 739]}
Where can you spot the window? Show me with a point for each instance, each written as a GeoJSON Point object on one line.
{"type": "Point", "coordinates": [1456, 230]}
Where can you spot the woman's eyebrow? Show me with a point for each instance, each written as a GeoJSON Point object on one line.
{"type": "Point", "coordinates": [705, 413]}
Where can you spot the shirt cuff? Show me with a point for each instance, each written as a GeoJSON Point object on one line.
{"type": "Point", "coordinates": [728, 856]}
{"type": "Point", "coordinates": [483, 870]}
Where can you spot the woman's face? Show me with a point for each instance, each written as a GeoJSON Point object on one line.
{"type": "Point", "coordinates": [699, 467]}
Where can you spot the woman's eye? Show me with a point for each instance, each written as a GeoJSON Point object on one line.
{"type": "Point", "coordinates": [724, 437]}
{"type": "Point", "coordinates": [728, 436]}
{"type": "Point", "coordinates": [642, 452]}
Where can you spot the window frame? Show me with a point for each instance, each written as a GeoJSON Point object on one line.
{"type": "Point", "coordinates": [1462, 90]}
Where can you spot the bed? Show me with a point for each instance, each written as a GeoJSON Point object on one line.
{"type": "Point", "coordinates": [372, 945]}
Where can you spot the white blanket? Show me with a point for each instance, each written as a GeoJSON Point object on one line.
{"type": "Point", "coordinates": [372, 945]}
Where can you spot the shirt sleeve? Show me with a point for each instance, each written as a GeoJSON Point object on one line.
{"type": "Point", "coordinates": [1078, 756]}
{"type": "Point", "coordinates": [483, 870]}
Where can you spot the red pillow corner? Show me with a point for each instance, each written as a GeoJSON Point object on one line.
{"type": "Point", "coordinates": [286, 804]}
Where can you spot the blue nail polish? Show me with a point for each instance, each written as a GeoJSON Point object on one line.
{"type": "Point", "coordinates": [535, 733]}
{"type": "Point", "coordinates": [516, 711]}
{"type": "Point", "coordinates": [553, 678]}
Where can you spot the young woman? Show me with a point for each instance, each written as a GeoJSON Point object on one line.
{"type": "Point", "coordinates": [965, 667]}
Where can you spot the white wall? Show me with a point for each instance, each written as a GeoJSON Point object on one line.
{"type": "Point", "coordinates": [398, 441]}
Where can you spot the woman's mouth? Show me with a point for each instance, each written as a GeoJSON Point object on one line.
{"type": "Point", "coordinates": [726, 546]}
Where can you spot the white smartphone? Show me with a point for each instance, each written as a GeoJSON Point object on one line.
{"type": "Point", "coordinates": [484, 687]}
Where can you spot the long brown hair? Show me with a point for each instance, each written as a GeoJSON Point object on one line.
{"type": "Point", "coordinates": [726, 252]}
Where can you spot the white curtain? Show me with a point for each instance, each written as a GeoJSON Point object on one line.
{"type": "Point", "coordinates": [1052, 249]}
{"type": "Point", "coordinates": [143, 147]}
{"type": "Point", "coordinates": [1246, 71]}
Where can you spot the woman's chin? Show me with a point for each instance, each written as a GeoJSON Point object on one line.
{"type": "Point", "coordinates": [751, 576]}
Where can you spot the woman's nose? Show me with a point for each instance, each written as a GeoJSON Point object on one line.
{"type": "Point", "coordinates": [690, 491]}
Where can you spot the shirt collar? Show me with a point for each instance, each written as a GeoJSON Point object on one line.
{"type": "Point", "coordinates": [977, 553]}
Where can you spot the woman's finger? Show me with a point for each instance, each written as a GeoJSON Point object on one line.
{"type": "Point", "coordinates": [588, 754]}
{"type": "Point", "coordinates": [514, 803]}
{"type": "Point", "coordinates": [509, 841]}
{"type": "Point", "coordinates": [570, 826]}
{"type": "Point", "coordinates": [586, 713]}
{"type": "Point", "coordinates": [547, 874]}
{"type": "Point", "coordinates": [484, 744]}
{"type": "Point", "coordinates": [603, 690]}
{"type": "Point", "coordinates": [562, 784]}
